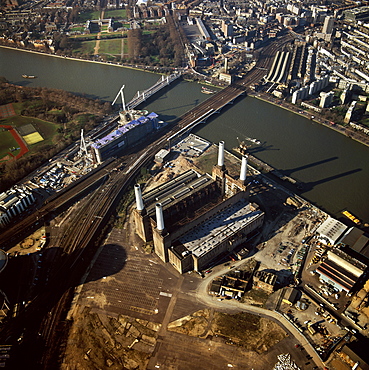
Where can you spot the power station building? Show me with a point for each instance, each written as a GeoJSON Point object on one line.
{"type": "Point", "coordinates": [194, 219]}
{"type": "Point", "coordinates": [124, 136]}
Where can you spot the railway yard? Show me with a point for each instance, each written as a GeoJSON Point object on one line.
{"type": "Point", "coordinates": [136, 308]}
{"type": "Point", "coordinates": [94, 296]}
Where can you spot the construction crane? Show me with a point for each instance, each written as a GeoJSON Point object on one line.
{"type": "Point", "coordinates": [121, 93]}
{"type": "Point", "coordinates": [242, 147]}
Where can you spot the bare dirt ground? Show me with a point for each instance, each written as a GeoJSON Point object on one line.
{"type": "Point", "coordinates": [30, 245]}
{"type": "Point", "coordinates": [245, 330]}
{"type": "Point", "coordinates": [134, 312]}
{"type": "Point", "coordinates": [99, 341]}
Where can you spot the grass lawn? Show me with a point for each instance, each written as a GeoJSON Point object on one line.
{"type": "Point", "coordinates": [117, 13]}
{"type": "Point", "coordinates": [77, 28]}
{"type": "Point", "coordinates": [148, 32]}
{"type": "Point", "coordinates": [85, 16]}
{"type": "Point", "coordinates": [46, 129]}
{"type": "Point", "coordinates": [7, 142]}
{"type": "Point", "coordinates": [85, 36]}
{"type": "Point", "coordinates": [125, 46]}
{"type": "Point", "coordinates": [110, 46]}
{"type": "Point", "coordinates": [86, 47]}
{"type": "Point", "coordinates": [17, 108]}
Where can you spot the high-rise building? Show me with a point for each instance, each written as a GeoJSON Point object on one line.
{"type": "Point", "coordinates": [227, 29]}
{"type": "Point", "coordinates": [328, 25]}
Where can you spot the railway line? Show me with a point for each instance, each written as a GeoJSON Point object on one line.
{"type": "Point", "coordinates": [42, 322]}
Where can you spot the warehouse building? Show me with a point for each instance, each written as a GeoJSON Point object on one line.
{"type": "Point", "coordinates": [340, 270]}
{"type": "Point", "coordinates": [193, 218]}
{"type": "Point", "coordinates": [335, 233]}
{"type": "Point", "coordinates": [356, 239]}
{"type": "Point", "coordinates": [13, 202]}
{"type": "Point", "coordinates": [330, 231]}
{"type": "Point", "coordinates": [124, 136]}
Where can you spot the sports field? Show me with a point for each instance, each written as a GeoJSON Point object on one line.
{"type": "Point", "coordinates": [17, 139]}
{"type": "Point", "coordinates": [6, 110]}
{"type": "Point", "coordinates": [29, 134]}
{"type": "Point", "coordinates": [7, 144]}
{"type": "Point", "coordinates": [33, 138]}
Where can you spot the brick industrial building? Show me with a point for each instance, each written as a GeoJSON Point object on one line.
{"type": "Point", "coordinates": [193, 219]}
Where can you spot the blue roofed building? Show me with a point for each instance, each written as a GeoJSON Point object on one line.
{"type": "Point", "coordinates": [124, 136]}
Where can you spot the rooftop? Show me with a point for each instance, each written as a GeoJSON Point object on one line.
{"type": "Point", "coordinates": [122, 130]}
{"type": "Point", "coordinates": [331, 229]}
{"type": "Point", "coordinates": [212, 232]}
{"type": "Point", "coordinates": [175, 189]}
{"type": "Point", "coordinates": [337, 274]}
{"type": "Point", "coordinates": [192, 145]}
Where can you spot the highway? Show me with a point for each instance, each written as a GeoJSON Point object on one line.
{"type": "Point", "coordinates": [43, 319]}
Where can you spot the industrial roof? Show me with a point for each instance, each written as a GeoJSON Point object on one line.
{"type": "Point", "coordinates": [175, 189]}
{"type": "Point", "coordinates": [192, 145]}
{"type": "Point", "coordinates": [211, 233]}
{"type": "Point", "coordinates": [122, 130]}
{"type": "Point", "coordinates": [337, 274]}
{"type": "Point", "coordinates": [162, 153]}
{"type": "Point", "coordinates": [331, 229]}
{"type": "Point", "coordinates": [356, 240]}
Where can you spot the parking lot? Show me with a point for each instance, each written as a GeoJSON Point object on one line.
{"type": "Point", "coordinates": [139, 284]}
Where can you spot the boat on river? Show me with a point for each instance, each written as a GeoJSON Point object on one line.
{"type": "Point", "coordinates": [29, 76]}
{"type": "Point", "coordinates": [205, 90]}
{"type": "Point", "coordinates": [350, 216]}
{"type": "Point", "coordinates": [255, 141]}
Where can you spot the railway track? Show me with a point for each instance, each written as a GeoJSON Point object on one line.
{"type": "Point", "coordinates": [43, 320]}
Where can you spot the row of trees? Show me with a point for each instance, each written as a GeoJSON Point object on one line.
{"type": "Point", "coordinates": [72, 111]}
{"type": "Point", "coordinates": [154, 48]}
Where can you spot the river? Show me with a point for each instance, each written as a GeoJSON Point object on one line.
{"type": "Point", "coordinates": [333, 168]}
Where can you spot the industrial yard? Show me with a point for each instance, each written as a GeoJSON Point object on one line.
{"type": "Point", "coordinates": [142, 314]}
{"type": "Point", "coordinates": [139, 320]}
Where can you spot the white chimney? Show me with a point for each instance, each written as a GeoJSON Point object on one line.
{"type": "Point", "coordinates": [243, 168]}
{"type": "Point", "coordinates": [159, 217]}
{"type": "Point", "coordinates": [139, 201]}
{"type": "Point", "coordinates": [221, 154]}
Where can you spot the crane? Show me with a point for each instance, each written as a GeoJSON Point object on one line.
{"type": "Point", "coordinates": [242, 147]}
{"type": "Point", "coordinates": [122, 96]}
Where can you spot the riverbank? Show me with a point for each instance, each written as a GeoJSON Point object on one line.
{"type": "Point", "coordinates": [346, 131]}
{"type": "Point", "coordinates": [149, 69]}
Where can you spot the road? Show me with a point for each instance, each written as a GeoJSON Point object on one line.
{"type": "Point", "coordinates": [44, 315]}
{"type": "Point", "coordinates": [202, 296]}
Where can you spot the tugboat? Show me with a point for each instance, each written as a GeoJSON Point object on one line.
{"type": "Point", "coordinates": [29, 76]}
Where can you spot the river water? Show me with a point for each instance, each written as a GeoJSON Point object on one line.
{"type": "Point", "coordinates": [333, 168]}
